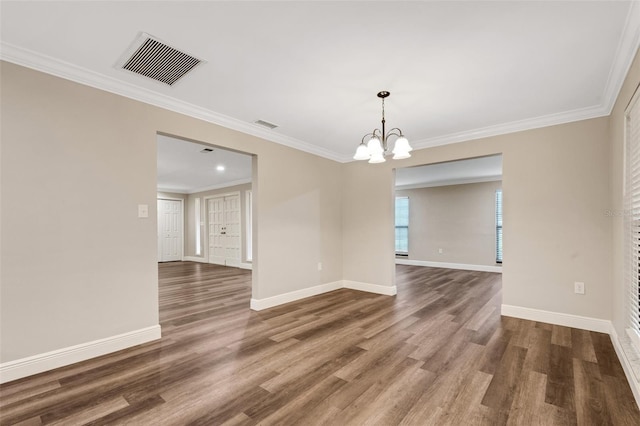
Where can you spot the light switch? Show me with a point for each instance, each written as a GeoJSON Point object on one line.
{"type": "Point", "coordinates": [143, 210]}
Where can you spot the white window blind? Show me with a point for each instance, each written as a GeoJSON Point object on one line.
{"type": "Point", "coordinates": [631, 217]}
{"type": "Point", "coordinates": [499, 226]}
{"type": "Point", "coordinates": [197, 229]}
{"type": "Point", "coordinates": [402, 225]}
{"type": "Point", "coordinates": [249, 225]}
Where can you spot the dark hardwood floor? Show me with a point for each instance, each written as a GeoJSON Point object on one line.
{"type": "Point", "coordinates": [438, 353]}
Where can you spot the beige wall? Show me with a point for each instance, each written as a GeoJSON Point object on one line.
{"type": "Point", "coordinates": [616, 188]}
{"type": "Point", "coordinates": [77, 264]}
{"type": "Point", "coordinates": [459, 219]}
{"type": "Point", "coordinates": [555, 187]}
{"type": "Point", "coordinates": [190, 240]}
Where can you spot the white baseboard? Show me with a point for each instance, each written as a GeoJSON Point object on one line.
{"type": "Point", "coordinates": [24, 367]}
{"type": "Point", "coordinates": [462, 266]}
{"type": "Point", "coordinates": [634, 384]}
{"type": "Point", "coordinates": [242, 265]}
{"type": "Point", "coordinates": [567, 320]}
{"type": "Point", "coordinates": [195, 259]}
{"type": "Point", "coordinates": [270, 302]}
{"type": "Point", "coordinates": [371, 288]}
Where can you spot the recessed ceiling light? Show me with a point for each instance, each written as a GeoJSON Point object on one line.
{"type": "Point", "coordinates": [220, 168]}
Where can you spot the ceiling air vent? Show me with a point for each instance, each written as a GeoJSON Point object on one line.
{"type": "Point", "coordinates": [154, 59]}
{"type": "Point", "coordinates": [266, 124]}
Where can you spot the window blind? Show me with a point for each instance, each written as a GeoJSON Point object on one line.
{"type": "Point", "coordinates": [402, 225]}
{"type": "Point", "coordinates": [631, 215]}
{"type": "Point", "coordinates": [499, 226]}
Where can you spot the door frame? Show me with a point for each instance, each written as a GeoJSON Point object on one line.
{"type": "Point", "coordinates": [182, 233]}
{"type": "Point", "coordinates": [206, 211]}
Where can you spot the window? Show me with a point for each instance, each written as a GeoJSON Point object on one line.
{"type": "Point", "coordinates": [196, 219]}
{"type": "Point", "coordinates": [499, 226]}
{"type": "Point", "coordinates": [631, 215]}
{"type": "Point", "coordinates": [402, 225]}
{"type": "Point", "coordinates": [249, 218]}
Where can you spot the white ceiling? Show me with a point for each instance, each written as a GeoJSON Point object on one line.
{"type": "Point", "coordinates": [456, 70]}
{"type": "Point", "coordinates": [482, 169]}
{"type": "Point", "coordinates": [184, 168]}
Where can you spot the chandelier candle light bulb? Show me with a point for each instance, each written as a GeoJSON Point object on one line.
{"type": "Point", "coordinates": [376, 148]}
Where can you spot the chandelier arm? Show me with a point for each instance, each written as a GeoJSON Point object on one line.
{"type": "Point", "coordinates": [374, 133]}
{"type": "Point", "coordinates": [391, 133]}
{"type": "Point", "coordinates": [368, 134]}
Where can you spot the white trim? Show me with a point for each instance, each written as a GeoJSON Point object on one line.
{"type": "Point", "coordinates": [169, 190]}
{"type": "Point", "coordinates": [515, 126]}
{"type": "Point", "coordinates": [195, 259]}
{"type": "Point", "coordinates": [634, 338]}
{"type": "Point", "coordinates": [241, 265]}
{"type": "Point", "coordinates": [634, 384]}
{"type": "Point", "coordinates": [206, 188]}
{"type": "Point", "coordinates": [220, 186]}
{"type": "Point", "coordinates": [371, 288]}
{"type": "Point", "coordinates": [269, 302]}
{"type": "Point", "coordinates": [47, 64]}
{"type": "Point", "coordinates": [248, 224]}
{"type": "Point", "coordinates": [461, 181]}
{"type": "Point", "coordinates": [558, 318]}
{"type": "Point", "coordinates": [245, 265]}
{"type": "Point", "coordinates": [182, 236]}
{"type": "Point", "coordinates": [28, 366]}
{"type": "Point", "coordinates": [462, 266]}
{"type": "Point", "coordinates": [197, 220]}
{"type": "Point", "coordinates": [629, 43]}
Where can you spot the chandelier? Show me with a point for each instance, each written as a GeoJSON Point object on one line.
{"type": "Point", "coordinates": [377, 146]}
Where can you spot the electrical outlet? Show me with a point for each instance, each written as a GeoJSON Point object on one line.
{"type": "Point", "coordinates": [319, 266]}
{"type": "Point", "coordinates": [440, 251]}
{"type": "Point", "coordinates": [578, 287]}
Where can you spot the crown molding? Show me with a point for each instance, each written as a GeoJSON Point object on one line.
{"type": "Point", "coordinates": [513, 127]}
{"type": "Point", "coordinates": [69, 71]}
{"type": "Point", "coordinates": [164, 189]}
{"type": "Point", "coordinates": [448, 182]}
{"type": "Point", "coordinates": [220, 186]}
{"type": "Point", "coordinates": [625, 53]}
{"type": "Point", "coordinates": [205, 188]}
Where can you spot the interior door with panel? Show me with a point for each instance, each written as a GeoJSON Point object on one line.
{"type": "Point", "coordinates": [232, 230]}
{"type": "Point", "coordinates": [223, 215]}
{"type": "Point", "coordinates": [169, 230]}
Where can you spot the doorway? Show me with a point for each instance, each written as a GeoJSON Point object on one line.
{"type": "Point", "coordinates": [170, 228]}
{"type": "Point", "coordinates": [214, 185]}
{"type": "Point", "coordinates": [224, 228]}
{"type": "Point", "coordinates": [449, 215]}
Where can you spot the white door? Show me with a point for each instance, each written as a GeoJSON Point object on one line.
{"type": "Point", "coordinates": [223, 215]}
{"type": "Point", "coordinates": [215, 209]}
{"type": "Point", "coordinates": [232, 230]}
{"type": "Point", "coordinates": [169, 230]}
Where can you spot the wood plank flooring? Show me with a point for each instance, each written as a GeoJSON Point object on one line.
{"type": "Point", "coordinates": [438, 353]}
